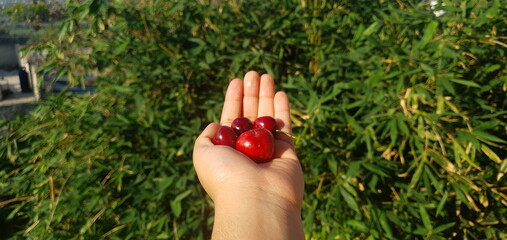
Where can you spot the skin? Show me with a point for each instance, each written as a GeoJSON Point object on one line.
{"type": "Point", "coordinates": [252, 201]}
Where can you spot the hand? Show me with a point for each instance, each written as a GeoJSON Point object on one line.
{"type": "Point", "coordinates": [242, 188]}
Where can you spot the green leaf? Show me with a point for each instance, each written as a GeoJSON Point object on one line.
{"type": "Point", "coordinates": [121, 47]}
{"type": "Point", "coordinates": [466, 83]}
{"type": "Point", "coordinates": [428, 70]}
{"type": "Point", "coordinates": [371, 29]}
{"type": "Point", "coordinates": [493, 11]}
{"type": "Point", "coordinates": [182, 195]}
{"type": "Point", "coordinates": [176, 7]}
{"type": "Point", "coordinates": [333, 165]}
{"type": "Point", "coordinates": [428, 34]}
{"type": "Point", "coordinates": [442, 161]}
{"type": "Point", "coordinates": [489, 137]}
{"type": "Point", "coordinates": [357, 225]}
{"type": "Point", "coordinates": [421, 231]}
{"type": "Point", "coordinates": [443, 227]}
{"type": "Point", "coordinates": [375, 169]}
{"type": "Point", "coordinates": [402, 126]}
{"type": "Point", "coordinates": [446, 84]}
{"type": "Point", "coordinates": [393, 129]}
{"type": "Point", "coordinates": [176, 202]}
{"type": "Point", "coordinates": [503, 170]}
{"type": "Point", "coordinates": [354, 169]}
{"type": "Point", "coordinates": [385, 225]}
{"type": "Point", "coordinates": [163, 235]}
{"type": "Point", "coordinates": [417, 175]}
{"type": "Point", "coordinates": [349, 199]}
{"type": "Point", "coordinates": [442, 203]}
{"type": "Point", "coordinates": [425, 218]}
{"type": "Point", "coordinates": [490, 153]}
{"type": "Point", "coordinates": [165, 182]}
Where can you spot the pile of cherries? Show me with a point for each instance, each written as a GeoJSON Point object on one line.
{"type": "Point", "coordinates": [254, 140]}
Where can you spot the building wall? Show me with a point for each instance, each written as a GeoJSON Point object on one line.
{"type": "Point", "coordinates": [8, 57]}
{"type": "Point", "coordinates": [7, 2]}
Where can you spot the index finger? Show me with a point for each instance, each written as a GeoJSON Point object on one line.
{"type": "Point", "coordinates": [233, 102]}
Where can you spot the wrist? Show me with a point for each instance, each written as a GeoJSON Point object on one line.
{"type": "Point", "coordinates": [257, 196]}
{"type": "Point", "coordinates": [257, 215]}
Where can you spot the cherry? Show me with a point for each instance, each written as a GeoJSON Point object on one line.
{"type": "Point", "coordinates": [258, 144]}
{"type": "Point", "coordinates": [254, 140]}
{"type": "Point", "coordinates": [225, 136]}
{"type": "Point", "coordinates": [241, 125]}
{"type": "Point", "coordinates": [266, 122]}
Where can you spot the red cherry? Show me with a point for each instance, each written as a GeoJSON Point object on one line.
{"type": "Point", "coordinates": [225, 136]}
{"type": "Point", "coordinates": [241, 125]}
{"type": "Point", "coordinates": [266, 122]}
{"type": "Point", "coordinates": [257, 144]}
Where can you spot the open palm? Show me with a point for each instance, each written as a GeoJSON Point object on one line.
{"type": "Point", "coordinates": [225, 172]}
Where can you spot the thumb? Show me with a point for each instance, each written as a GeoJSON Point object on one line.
{"type": "Point", "coordinates": [207, 134]}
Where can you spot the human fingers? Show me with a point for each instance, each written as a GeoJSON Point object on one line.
{"type": "Point", "coordinates": [266, 96]}
{"type": "Point", "coordinates": [282, 112]}
{"type": "Point", "coordinates": [251, 95]}
{"type": "Point", "coordinates": [215, 154]}
{"type": "Point", "coordinates": [282, 117]}
{"type": "Point", "coordinates": [205, 137]}
{"type": "Point", "coordinates": [233, 102]}
{"type": "Point", "coordinates": [217, 165]}
{"type": "Point", "coordinates": [204, 156]}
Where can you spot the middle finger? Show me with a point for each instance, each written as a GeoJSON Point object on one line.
{"type": "Point", "coordinates": [251, 95]}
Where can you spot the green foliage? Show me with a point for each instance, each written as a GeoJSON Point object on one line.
{"type": "Point", "coordinates": [400, 118]}
{"type": "Point", "coordinates": [17, 12]}
{"type": "Point", "coordinates": [34, 13]}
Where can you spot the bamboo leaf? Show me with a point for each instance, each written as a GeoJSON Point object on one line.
{"type": "Point", "coordinates": [441, 204]}
{"type": "Point", "coordinates": [442, 161]}
{"type": "Point", "coordinates": [349, 199]}
{"type": "Point", "coordinates": [491, 154]}
{"type": "Point", "coordinates": [385, 225]}
{"type": "Point", "coordinates": [443, 227]}
{"type": "Point", "coordinates": [428, 34]}
{"type": "Point", "coordinates": [503, 170]}
{"type": "Point", "coordinates": [466, 83]}
{"type": "Point", "coordinates": [489, 137]}
{"type": "Point", "coordinates": [425, 218]}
